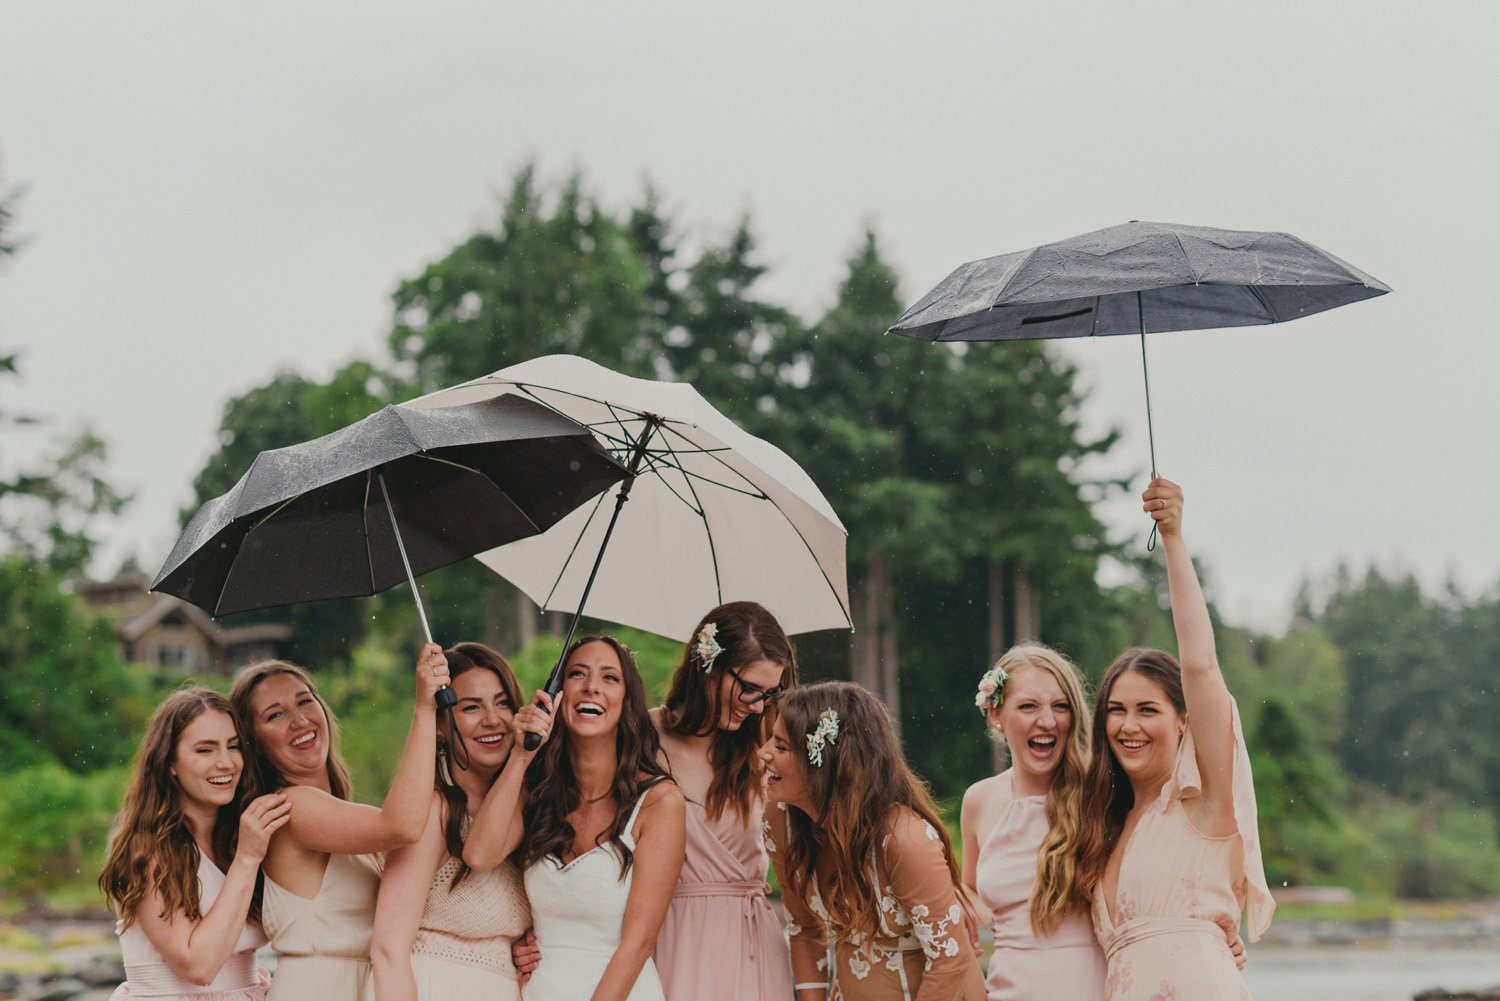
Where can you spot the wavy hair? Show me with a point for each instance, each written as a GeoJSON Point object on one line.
{"type": "Point", "coordinates": [465, 657]}
{"type": "Point", "coordinates": [552, 789]}
{"type": "Point", "coordinates": [863, 778]}
{"type": "Point", "coordinates": [153, 846]}
{"type": "Point", "coordinates": [1055, 862]}
{"type": "Point", "coordinates": [1107, 794]}
{"type": "Point", "coordinates": [261, 774]}
{"type": "Point", "coordinates": [748, 633]}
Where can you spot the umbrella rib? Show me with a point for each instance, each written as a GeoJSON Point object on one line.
{"type": "Point", "coordinates": [219, 601]}
{"type": "Point", "coordinates": [713, 553]}
{"type": "Point", "coordinates": [577, 541]}
{"type": "Point", "coordinates": [364, 517]}
{"type": "Point", "coordinates": [1255, 291]}
{"type": "Point", "coordinates": [651, 468]}
{"type": "Point", "coordinates": [459, 465]}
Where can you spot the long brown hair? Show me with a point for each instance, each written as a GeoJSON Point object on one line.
{"type": "Point", "coordinates": [748, 633]}
{"type": "Point", "coordinates": [461, 658]}
{"type": "Point", "coordinates": [864, 777]}
{"type": "Point", "coordinates": [1055, 863]}
{"type": "Point", "coordinates": [153, 846]}
{"type": "Point", "coordinates": [1107, 794]}
{"type": "Point", "coordinates": [261, 775]}
{"type": "Point", "coordinates": [552, 788]}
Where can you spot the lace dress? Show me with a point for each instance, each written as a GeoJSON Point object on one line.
{"type": "Point", "coordinates": [921, 953]}
{"type": "Point", "coordinates": [462, 948]}
{"type": "Point", "coordinates": [720, 909]}
{"type": "Point", "coordinates": [1066, 965]}
{"type": "Point", "coordinates": [147, 974]}
{"type": "Point", "coordinates": [325, 942]}
{"type": "Point", "coordinates": [578, 911]}
{"type": "Point", "coordinates": [1180, 892]}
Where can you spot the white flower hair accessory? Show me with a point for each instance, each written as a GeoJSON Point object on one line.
{"type": "Point", "coordinates": [705, 647]}
{"type": "Point", "coordinates": [991, 689]}
{"type": "Point", "coordinates": [827, 733]}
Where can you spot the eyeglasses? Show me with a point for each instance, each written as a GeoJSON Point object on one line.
{"type": "Point", "coordinates": [752, 694]}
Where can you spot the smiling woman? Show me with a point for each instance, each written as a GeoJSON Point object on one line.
{"type": "Point", "coordinates": [321, 872]}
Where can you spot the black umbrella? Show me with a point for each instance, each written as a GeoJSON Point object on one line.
{"type": "Point", "coordinates": [1143, 277]}
{"type": "Point", "coordinates": [399, 493]}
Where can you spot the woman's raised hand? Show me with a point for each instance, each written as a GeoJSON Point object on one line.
{"type": "Point", "coordinates": [1163, 502]}
{"type": "Point", "coordinates": [533, 718]}
{"type": "Point", "coordinates": [262, 818]}
{"type": "Point", "coordinates": [432, 674]}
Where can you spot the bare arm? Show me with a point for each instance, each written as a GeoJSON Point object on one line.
{"type": "Point", "coordinates": [399, 908]}
{"type": "Point", "coordinates": [1203, 688]}
{"type": "Point", "coordinates": [498, 827]}
{"type": "Point", "coordinates": [324, 823]}
{"type": "Point", "coordinates": [976, 818]}
{"type": "Point", "coordinates": [659, 853]}
{"type": "Point", "coordinates": [808, 939]}
{"type": "Point", "coordinates": [198, 950]}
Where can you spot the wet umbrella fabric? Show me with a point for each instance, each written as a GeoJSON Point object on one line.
{"type": "Point", "coordinates": [715, 514]}
{"type": "Point", "coordinates": [310, 521]}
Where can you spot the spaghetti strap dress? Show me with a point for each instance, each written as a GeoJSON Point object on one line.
{"type": "Point", "coordinates": [324, 942]}
{"type": "Point", "coordinates": [719, 909]}
{"type": "Point", "coordinates": [1065, 965]}
{"type": "Point", "coordinates": [462, 947]}
{"type": "Point", "coordinates": [578, 912]}
{"type": "Point", "coordinates": [147, 974]}
{"type": "Point", "coordinates": [1180, 893]}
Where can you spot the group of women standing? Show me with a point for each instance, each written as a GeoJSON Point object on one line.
{"type": "Point", "coordinates": [626, 857]}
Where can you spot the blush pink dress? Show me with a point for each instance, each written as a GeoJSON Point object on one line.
{"type": "Point", "coordinates": [719, 910]}
{"type": "Point", "coordinates": [1180, 893]}
{"type": "Point", "coordinates": [1066, 965]}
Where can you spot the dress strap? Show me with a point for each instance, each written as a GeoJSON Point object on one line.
{"type": "Point", "coordinates": [630, 824]}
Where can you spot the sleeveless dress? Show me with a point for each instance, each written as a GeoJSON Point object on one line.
{"type": "Point", "coordinates": [462, 948]}
{"type": "Point", "coordinates": [324, 942]}
{"type": "Point", "coordinates": [1180, 892]}
{"type": "Point", "coordinates": [920, 952]}
{"type": "Point", "coordinates": [1066, 965]}
{"type": "Point", "coordinates": [578, 912]}
{"type": "Point", "coordinates": [147, 974]}
{"type": "Point", "coordinates": [719, 909]}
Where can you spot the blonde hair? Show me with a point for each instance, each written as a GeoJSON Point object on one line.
{"type": "Point", "coordinates": [1056, 862]}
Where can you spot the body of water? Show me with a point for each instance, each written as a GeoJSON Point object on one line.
{"type": "Point", "coordinates": [1396, 974]}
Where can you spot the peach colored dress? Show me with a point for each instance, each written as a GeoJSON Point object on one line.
{"type": "Point", "coordinates": [325, 942]}
{"type": "Point", "coordinates": [1180, 893]}
{"type": "Point", "coordinates": [1066, 965]}
{"type": "Point", "coordinates": [147, 974]}
{"type": "Point", "coordinates": [921, 951]}
{"type": "Point", "coordinates": [719, 909]}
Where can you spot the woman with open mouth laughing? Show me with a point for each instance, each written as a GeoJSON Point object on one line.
{"type": "Point", "coordinates": [1168, 853]}
{"type": "Point", "coordinates": [183, 861]}
{"type": "Point", "coordinates": [1018, 828]}
{"type": "Point", "coordinates": [861, 856]}
{"type": "Point", "coordinates": [322, 875]}
{"type": "Point", "coordinates": [598, 829]}
{"type": "Point", "coordinates": [443, 931]}
{"type": "Point", "coordinates": [738, 663]}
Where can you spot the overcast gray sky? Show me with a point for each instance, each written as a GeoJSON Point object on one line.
{"type": "Point", "coordinates": [215, 192]}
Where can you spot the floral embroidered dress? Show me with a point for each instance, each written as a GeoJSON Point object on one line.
{"type": "Point", "coordinates": [1180, 892]}
{"type": "Point", "coordinates": [922, 952]}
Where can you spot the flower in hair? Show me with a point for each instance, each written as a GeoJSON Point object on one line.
{"type": "Point", "coordinates": [991, 689]}
{"type": "Point", "coordinates": [705, 647]}
{"type": "Point", "coordinates": [827, 733]}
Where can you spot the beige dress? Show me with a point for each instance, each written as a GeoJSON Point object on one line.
{"type": "Point", "coordinates": [462, 948]}
{"type": "Point", "coordinates": [1180, 893]}
{"type": "Point", "coordinates": [921, 951]}
{"type": "Point", "coordinates": [324, 942]}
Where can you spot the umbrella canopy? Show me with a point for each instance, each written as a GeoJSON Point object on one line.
{"type": "Point", "coordinates": [715, 514]}
{"type": "Point", "coordinates": [1142, 277]}
{"type": "Point", "coordinates": [313, 521]}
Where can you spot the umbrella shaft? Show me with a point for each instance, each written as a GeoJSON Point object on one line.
{"type": "Point", "coordinates": [401, 547]}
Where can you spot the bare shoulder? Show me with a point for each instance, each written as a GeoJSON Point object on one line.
{"type": "Point", "coordinates": [987, 792]}
{"type": "Point", "coordinates": [663, 793]}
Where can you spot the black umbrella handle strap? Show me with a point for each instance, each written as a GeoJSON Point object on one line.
{"type": "Point", "coordinates": [446, 698]}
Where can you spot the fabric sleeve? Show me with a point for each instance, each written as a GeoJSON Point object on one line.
{"type": "Point", "coordinates": [806, 934]}
{"type": "Point", "coordinates": [916, 872]}
{"type": "Point", "coordinates": [1187, 782]}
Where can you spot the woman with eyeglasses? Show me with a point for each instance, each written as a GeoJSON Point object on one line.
{"type": "Point", "coordinates": [732, 671]}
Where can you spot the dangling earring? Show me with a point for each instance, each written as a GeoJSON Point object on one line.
{"type": "Point", "coordinates": [442, 756]}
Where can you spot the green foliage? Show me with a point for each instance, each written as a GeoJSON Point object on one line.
{"type": "Point", "coordinates": [54, 825]}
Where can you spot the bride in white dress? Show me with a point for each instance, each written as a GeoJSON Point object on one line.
{"type": "Point", "coordinates": [599, 829]}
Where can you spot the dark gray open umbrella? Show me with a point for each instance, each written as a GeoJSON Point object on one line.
{"type": "Point", "coordinates": [1139, 278]}
{"type": "Point", "coordinates": [399, 493]}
